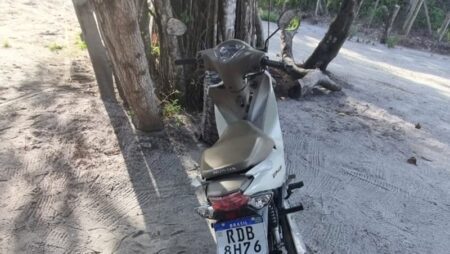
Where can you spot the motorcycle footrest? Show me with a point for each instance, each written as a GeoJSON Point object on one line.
{"type": "Point", "coordinates": [292, 187]}
{"type": "Point", "coordinates": [293, 209]}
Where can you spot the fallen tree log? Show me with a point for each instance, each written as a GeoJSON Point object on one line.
{"type": "Point", "coordinates": [305, 80]}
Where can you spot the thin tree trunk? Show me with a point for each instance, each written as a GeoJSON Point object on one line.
{"type": "Point", "coordinates": [335, 37]}
{"type": "Point", "coordinates": [229, 18]}
{"type": "Point", "coordinates": [245, 24]}
{"type": "Point", "coordinates": [144, 19]}
{"type": "Point", "coordinates": [359, 8]}
{"type": "Point", "coordinates": [169, 50]}
{"type": "Point", "coordinates": [389, 23]}
{"type": "Point", "coordinates": [325, 7]}
{"type": "Point", "coordinates": [96, 50]}
{"type": "Point", "coordinates": [372, 15]}
{"type": "Point", "coordinates": [316, 12]}
{"type": "Point", "coordinates": [444, 27]}
{"type": "Point", "coordinates": [216, 15]}
{"type": "Point", "coordinates": [412, 8]}
{"type": "Point", "coordinates": [259, 31]}
{"type": "Point", "coordinates": [123, 40]}
{"type": "Point", "coordinates": [413, 17]}
{"type": "Point", "coordinates": [425, 5]}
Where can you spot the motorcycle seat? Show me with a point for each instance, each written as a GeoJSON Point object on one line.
{"type": "Point", "coordinates": [241, 146]}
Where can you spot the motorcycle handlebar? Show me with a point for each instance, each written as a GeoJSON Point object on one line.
{"type": "Point", "coordinates": [272, 63]}
{"type": "Point", "coordinates": [265, 62]}
{"type": "Point", "coordinates": [185, 61]}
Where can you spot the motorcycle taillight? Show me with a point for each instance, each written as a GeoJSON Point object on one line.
{"type": "Point", "coordinates": [231, 202]}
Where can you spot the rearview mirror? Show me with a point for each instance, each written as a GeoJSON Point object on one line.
{"type": "Point", "coordinates": [289, 20]}
{"type": "Point", "coordinates": [175, 27]}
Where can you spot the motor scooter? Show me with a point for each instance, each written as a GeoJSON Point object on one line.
{"type": "Point", "coordinates": [243, 175]}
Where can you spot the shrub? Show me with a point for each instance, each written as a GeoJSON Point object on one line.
{"type": "Point", "coordinates": [392, 41]}
{"type": "Point", "coordinates": [55, 47]}
{"type": "Point", "coordinates": [171, 108]}
{"type": "Point", "coordinates": [81, 44]}
{"type": "Point", "coordinates": [155, 51]}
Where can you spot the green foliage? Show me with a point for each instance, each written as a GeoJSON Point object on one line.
{"type": "Point", "coordinates": [436, 11]}
{"type": "Point", "coordinates": [6, 44]}
{"type": "Point", "coordinates": [171, 108]}
{"type": "Point", "coordinates": [155, 51]}
{"type": "Point", "coordinates": [392, 41]}
{"type": "Point", "coordinates": [55, 47]}
{"type": "Point", "coordinates": [80, 43]}
{"type": "Point", "coordinates": [272, 17]}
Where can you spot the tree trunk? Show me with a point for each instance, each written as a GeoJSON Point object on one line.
{"type": "Point", "coordinates": [246, 22]}
{"type": "Point", "coordinates": [389, 23]}
{"type": "Point", "coordinates": [316, 12]}
{"type": "Point", "coordinates": [210, 22]}
{"type": "Point", "coordinates": [229, 19]}
{"type": "Point", "coordinates": [443, 29]}
{"type": "Point", "coordinates": [372, 15]}
{"type": "Point", "coordinates": [413, 17]}
{"type": "Point", "coordinates": [172, 75]}
{"type": "Point", "coordinates": [122, 37]}
{"type": "Point", "coordinates": [359, 8]}
{"type": "Point", "coordinates": [411, 9]}
{"type": "Point", "coordinates": [335, 37]}
{"type": "Point", "coordinates": [96, 50]}
{"type": "Point", "coordinates": [430, 31]}
{"type": "Point", "coordinates": [259, 32]}
{"type": "Point", "coordinates": [145, 25]}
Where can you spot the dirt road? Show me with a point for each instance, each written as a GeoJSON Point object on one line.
{"type": "Point", "coordinates": [351, 149]}
{"type": "Point", "coordinates": [76, 178]}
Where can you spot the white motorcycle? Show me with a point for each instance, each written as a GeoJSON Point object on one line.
{"type": "Point", "coordinates": [243, 175]}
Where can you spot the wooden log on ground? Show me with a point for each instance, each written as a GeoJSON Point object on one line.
{"type": "Point", "coordinates": [306, 79]}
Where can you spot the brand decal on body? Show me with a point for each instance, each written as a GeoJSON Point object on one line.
{"type": "Point", "coordinates": [276, 172]}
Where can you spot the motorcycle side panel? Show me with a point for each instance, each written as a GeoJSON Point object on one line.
{"type": "Point", "coordinates": [263, 113]}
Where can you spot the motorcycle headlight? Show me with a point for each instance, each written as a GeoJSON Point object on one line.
{"type": "Point", "coordinates": [259, 201]}
{"type": "Point", "coordinates": [228, 49]}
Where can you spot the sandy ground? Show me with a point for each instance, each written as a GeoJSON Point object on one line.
{"type": "Point", "coordinates": [76, 178]}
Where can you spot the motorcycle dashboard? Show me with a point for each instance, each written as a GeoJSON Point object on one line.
{"type": "Point", "coordinates": [229, 49]}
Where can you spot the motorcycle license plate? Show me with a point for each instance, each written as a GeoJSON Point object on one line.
{"type": "Point", "coordinates": [241, 236]}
